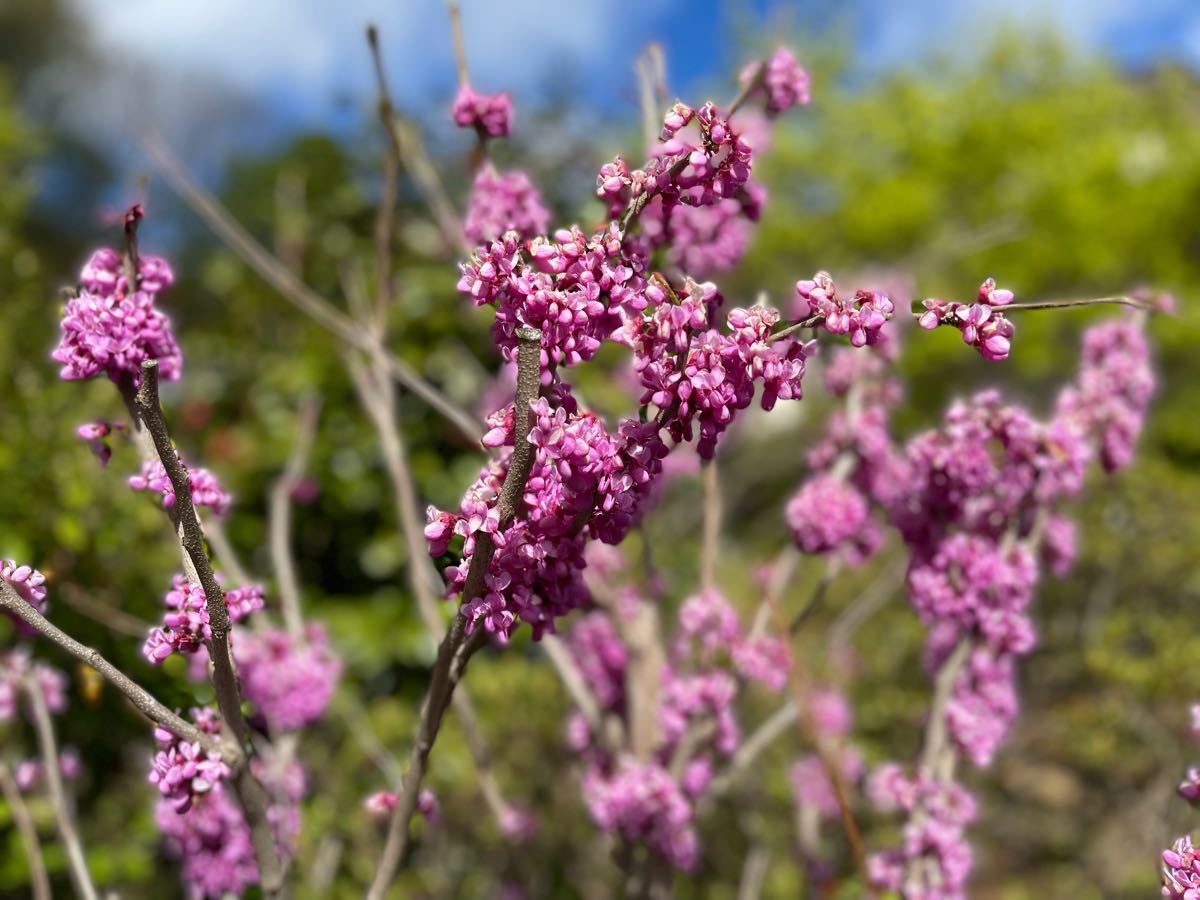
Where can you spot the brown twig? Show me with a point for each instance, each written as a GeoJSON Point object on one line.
{"type": "Point", "coordinates": [295, 291]}
{"type": "Point", "coordinates": [109, 616]}
{"type": "Point", "coordinates": [64, 816]}
{"type": "Point", "coordinates": [39, 882]}
{"type": "Point", "coordinates": [460, 46]}
{"type": "Point", "coordinates": [142, 699]}
{"type": "Point", "coordinates": [712, 524]}
{"type": "Point", "coordinates": [830, 764]}
{"type": "Point", "coordinates": [457, 647]}
{"type": "Point", "coordinates": [251, 795]}
{"type": "Point", "coordinates": [279, 518]}
{"type": "Point", "coordinates": [414, 157]}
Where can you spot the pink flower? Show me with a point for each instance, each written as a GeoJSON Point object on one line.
{"type": "Point", "coordinates": [111, 327]}
{"type": "Point", "coordinates": [785, 82]}
{"type": "Point", "coordinates": [502, 203]}
{"type": "Point", "coordinates": [490, 115]}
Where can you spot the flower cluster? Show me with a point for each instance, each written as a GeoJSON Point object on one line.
{"type": "Point", "coordinates": [829, 515]}
{"type": "Point", "coordinates": [697, 166]}
{"type": "Point", "coordinates": [28, 773]}
{"type": "Point", "coordinates": [206, 491]}
{"type": "Point", "coordinates": [16, 669]}
{"type": "Point", "coordinates": [782, 78]}
{"type": "Point", "coordinates": [490, 115]}
{"type": "Point", "coordinates": [652, 801]}
{"type": "Point", "coordinates": [1110, 395]}
{"type": "Point", "coordinates": [701, 377]}
{"type": "Point", "coordinates": [504, 202]}
{"type": "Point", "coordinates": [289, 682]}
{"type": "Point", "coordinates": [934, 858]}
{"type": "Point", "coordinates": [861, 316]}
{"type": "Point", "coordinates": [982, 323]}
{"type": "Point", "coordinates": [586, 483]}
{"type": "Point", "coordinates": [1181, 871]}
{"type": "Point", "coordinates": [571, 288]}
{"type": "Point", "coordinates": [30, 585]}
{"type": "Point", "coordinates": [643, 803]}
{"type": "Point", "coordinates": [212, 840]}
{"type": "Point", "coordinates": [184, 769]}
{"type": "Point", "coordinates": [110, 326]}
{"type": "Point", "coordinates": [185, 625]}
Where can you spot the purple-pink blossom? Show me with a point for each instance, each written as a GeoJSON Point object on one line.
{"type": "Point", "coordinates": [489, 114]}
{"type": "Point", "coordinates": [206, 491]}
{"type": "Point", "coordinates": [110, 327]}
{"type": "Point", "coordinates": [500, 203]}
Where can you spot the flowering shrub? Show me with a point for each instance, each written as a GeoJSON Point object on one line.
{"type": "Point", "coordinates": [658, 688]}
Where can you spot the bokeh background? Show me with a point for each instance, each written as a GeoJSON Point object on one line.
{"type": "Point", "coordinates": [1054, 145]}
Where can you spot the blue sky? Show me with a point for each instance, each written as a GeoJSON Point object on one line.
{"type": "Point", "coordinates": [303, 62]}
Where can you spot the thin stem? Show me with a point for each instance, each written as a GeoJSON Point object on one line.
{"type": "Point", "coordinates": [414, 157]}
{"type": "Point", "coordinates": [279, 518]}
{"type": "Point", "coordinates": [218, 541]}
{"type": "Point", "coordinates": [755, 82]}
{"type": "Point", "coordinates": [64, 816]}
{"type": "Point", "coordinates": [712, 524]}
{"type": "Point", "coordinates": [754, 873]}
{"type": "Point", "coordinates": [460, 46]}
{"type": "Point", "coordinates": [832, 769]}
{"type": "Point", "coordinates": [385, 217]}
{"type": "Point", "coordinates": [250, 793]}
{"type": "Point", "coordinates": [936, 733]}
{"type": "Point", "coordinates": [457, 648]}
{"type": "Point", "coordinates": [295, 291]}
{"type": "Point", "coordinates": [39, 882]}
{"type": "Point", "coordinates": [752, 748]}
{"type": "Point", "coordinates": [143, 700]}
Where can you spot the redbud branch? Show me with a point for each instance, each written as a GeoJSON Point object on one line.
{"type": "Point", "coordinates": [289, 285]}
{"type": "Point", "coordinates": [142, 699]}
{"type": "Point", "coordinates": [415, 158]}
{"type": "Point", "coordinates": [752, 748]}
{"type": "Point", "coordinates": [250, 793]}
{"type": "Point", "coordinates": [711, 524]}
{"type": "Point", "coordinates": [936, 734]}
{"type": "Point", "coordinates": [866, 604]}
{"type": "Point", "coordinates": [460, 46]}
{"type": "Point", "coordinates": [608, 729]}
{"type": "Point", "coordinates": [39, 882]}
{"type": "Point", "coordinates": [696, 736]}
{"type": "Point", "coordinates": [64, 816]}
{"type": "Point", "coordinates": [279, 518]}
{"type": "Point", "coordinates": [747, 89]}
{"type": "Point", "coordinates": [377, 397]}
{"type": "Point", "coordinates": [650, 68]}
{"type": "Point", "coordinates": [109, 616]}
{"type": "Point", "coordinates": [832, 769]}
{"type": "Point", "coordinates": [457, 648]}
{"type": "Point", "coordinates": [754, 873]}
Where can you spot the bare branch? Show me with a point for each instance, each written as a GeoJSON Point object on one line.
{"type": "Point", "coordinates": [752, 748]}
{"type": "Point", "coordinates": [145, 702]}
{"type": "Point", "coordinates": [295, 291]}
{"type": "Point", "coordinates": [64, 816]}
{"type": "Point", "coordinates": [460, 46]}
{"type": "Point", "coordinates": [218, 540]}
{"type": "Point", "coordinates": [251, 795]}
{"type": "Point", "coordinates": [712, 524]}
{"type": "Point", "coordinates": [39, 883]}
{"type": "Point", "coordinates": [411, 153]}
{"type": "Point", "coordinates": [754, 873]}
{"type": "Point", "coordinates": [109, 616]}
{"type": "Point", "coordinates": [279, 518]}
{"type": "Point", "coordinates": [457, 648]}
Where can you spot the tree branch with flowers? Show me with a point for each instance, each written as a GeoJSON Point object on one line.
{"type": "Point", "coordinates": [655, 682]}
